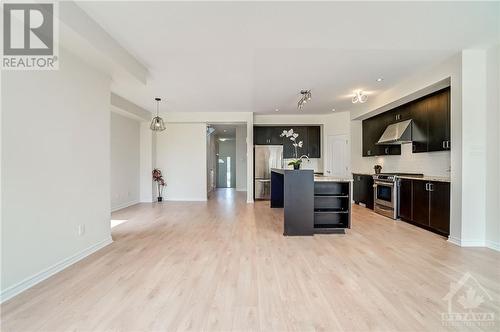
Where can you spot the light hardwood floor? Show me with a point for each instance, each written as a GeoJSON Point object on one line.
{"type": "Point", "coordinates": [225, 265]}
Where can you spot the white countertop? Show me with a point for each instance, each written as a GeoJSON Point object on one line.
{"type": "Point", "coordinates": [426, 178]}
{"type": "Point", "coordinates": [321, 178]}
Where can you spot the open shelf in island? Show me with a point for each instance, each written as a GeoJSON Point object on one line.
{"type": "Point", "coordinates": [332, 206]}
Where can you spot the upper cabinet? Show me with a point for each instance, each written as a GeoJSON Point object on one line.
{"type": "Point", "coordinates": [309, 135]}
{"type": "Point", "coordinates": [373, 128]}
{"type": "Point", "coordinates": [430, 117]}
{"type": "Point", "coordinates": [438, 113]}
{"type": "Point", "coordinates": [314, 142]}
{"type": "Point", "coordinates": [431, 122]}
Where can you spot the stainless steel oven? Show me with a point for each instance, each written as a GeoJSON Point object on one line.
{"type": "Point", "coordinates": [385, 198]}
{"type": "Point", "coordinates": [385, 193]}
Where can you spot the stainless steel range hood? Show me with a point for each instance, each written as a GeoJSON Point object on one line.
{"type": "Point", "coordinates": [397, 133]}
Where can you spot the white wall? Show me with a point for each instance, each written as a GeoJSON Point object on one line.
{"type": "Point", "coordinates": [331, 124]}
{"type": "Point", "coordinates": [473, 147]}
{"type": "Point", "coordinates": [181, 156]}
{"type": "Point", "coordinates": [55, 169]}
{"type": "Point", "coordinates": [493, 148]}
{"type": "Point", "coordinates": [147, 162]}
{"type": "Point", "coordinates": [241, 158]}
{"type": "Point", "coordinates": [125, 161]}
{"type": "Point", "coordinates": [223, 118]}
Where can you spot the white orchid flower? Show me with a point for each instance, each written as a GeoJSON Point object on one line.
{"type": "Point", "coordinates": [289, 133]}
{"type": "Point", "coordinates": [284, 133]}
{"type": "Point", "coordinates": [295, 135]}
{"type": "Point", "coordinates": [300, 144]}
{"type": "Point", "coordinates": [295, 144]}
{"type": "Point", "coordinates": [292, 138]}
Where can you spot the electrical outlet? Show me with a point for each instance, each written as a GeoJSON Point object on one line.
{"type": "Point", "coordinates": [81, 229]}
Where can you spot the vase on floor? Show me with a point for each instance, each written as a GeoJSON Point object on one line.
{"type": "Point", "coordinates": [296, 166]}
{"type": "Point", "coordinates": [160, 199]}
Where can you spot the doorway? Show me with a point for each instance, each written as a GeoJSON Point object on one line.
{"type": "Point", "coordinates": [226, 156]}
{"type": "Point", "coordinates": [338, 156]}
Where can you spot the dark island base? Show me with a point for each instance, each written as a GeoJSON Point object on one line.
{"type": "Point", "coordinates": [311, 207]}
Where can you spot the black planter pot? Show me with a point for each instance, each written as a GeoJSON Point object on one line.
{"type": "Point", "coordinates": [296, 166]}
{"type": "Point", "coordinates": [160, 199]}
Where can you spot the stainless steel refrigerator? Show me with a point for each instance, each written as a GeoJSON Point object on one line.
{"type": "Point", "coordinates": [266, 157]}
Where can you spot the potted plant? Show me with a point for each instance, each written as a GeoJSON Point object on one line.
{"type": "Point", "coordinates": [296, 145]}
{"type": "Point", "coordinates": [160, 183]}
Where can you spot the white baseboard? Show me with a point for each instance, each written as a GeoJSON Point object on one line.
{"type": "Point", "coordinates": [186, 199]}
{"type": "Point", "coordinates": [456, 241]}
{"type": "Point", "coordinates": [493, 245]}
{"type": "Point", "coordinates": [124, 205]}
{"type": "Point", "coordinates": [466, 243]}
{"type": "Point", "coordinates": [29, 282]}
{"type": "Point", "coordinates": [241, 189]}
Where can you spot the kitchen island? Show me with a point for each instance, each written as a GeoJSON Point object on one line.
{"type": "Point", "coordinates": [312, 204]}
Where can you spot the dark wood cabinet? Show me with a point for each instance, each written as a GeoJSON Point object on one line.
{"type": "Point", "coordinates": [439, 217]}
{"type": "Point", "coordinates": [420, 203]}
{"type": "Point", "coordinates": [438, 114]}
{"type": "Point", "coordinates": [430, 117]}
{"type": "Point", "coordinates": [420, 125]}
{"type": "Point", "coordinates": [426, 204]}
{"type": "Point", "coordinates": [267, 135]}
{"type": "Point", "coordinates": [372, 130]}
{"type": "Point", "coordinates": [314, 141]}
{"type": "Point", "coordinates": [363, 189]}
{"type": "Point", "coordinates": [405, 199]}
{"type": "Point", "coordinates": [309, 135]}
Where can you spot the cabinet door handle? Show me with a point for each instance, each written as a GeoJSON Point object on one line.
{"type": "Point", "coordinates": [386, 150]}
{"type": "Point", "coordinates": [448, 144]}
{"type": "Point", "coordinates": [444, 144]}
{"type": "Point", "coordinates": [427, 187]}
{"type": "Point", "coordinates": [431, 187]}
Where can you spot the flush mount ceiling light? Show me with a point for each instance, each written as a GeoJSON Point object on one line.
{"type": "Point", "coordinates": [157, 122]}
{"type": "Point", "coordinates": [359, 97]}
{"type": "Point", "coordinates": [305, 97]}
{"type": "Point", "coordinates": [380, 79]}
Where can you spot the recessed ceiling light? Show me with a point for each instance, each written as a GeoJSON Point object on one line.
{"type": "Point", "coordinates": [277, 110]}
{"type": "Point", "coordinates": [380, 79]}
{"type": "Point", "coordinates": [225, 130]}
{"type": "Point", "coordinates": [333, 109]}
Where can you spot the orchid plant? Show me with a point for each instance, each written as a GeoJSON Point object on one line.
{"type": "Point", "coordinates": [296, 144]}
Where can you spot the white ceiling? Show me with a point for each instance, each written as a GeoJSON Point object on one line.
{"type": "Point", "coordinates": [256, 56]}
{"type": "Point", "coordinates": [224, 131]}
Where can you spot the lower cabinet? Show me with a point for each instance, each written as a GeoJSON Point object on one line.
{"type": "Point", "coordinates": [425, 204]}
{"type": "Point", "coordinates": [405, 193]}
{"type": "Point", "coordinates": [439, 212]}
{"type": "Point", "coordinates": [363, 189]}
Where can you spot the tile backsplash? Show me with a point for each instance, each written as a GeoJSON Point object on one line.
{"type": "Point", "coordinates": [428, 163]}
{"type": "Point", "coordinates": [315, 164]}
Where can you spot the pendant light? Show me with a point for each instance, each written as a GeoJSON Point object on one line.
{"type": "Point", "coordinates": [157, 122]}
